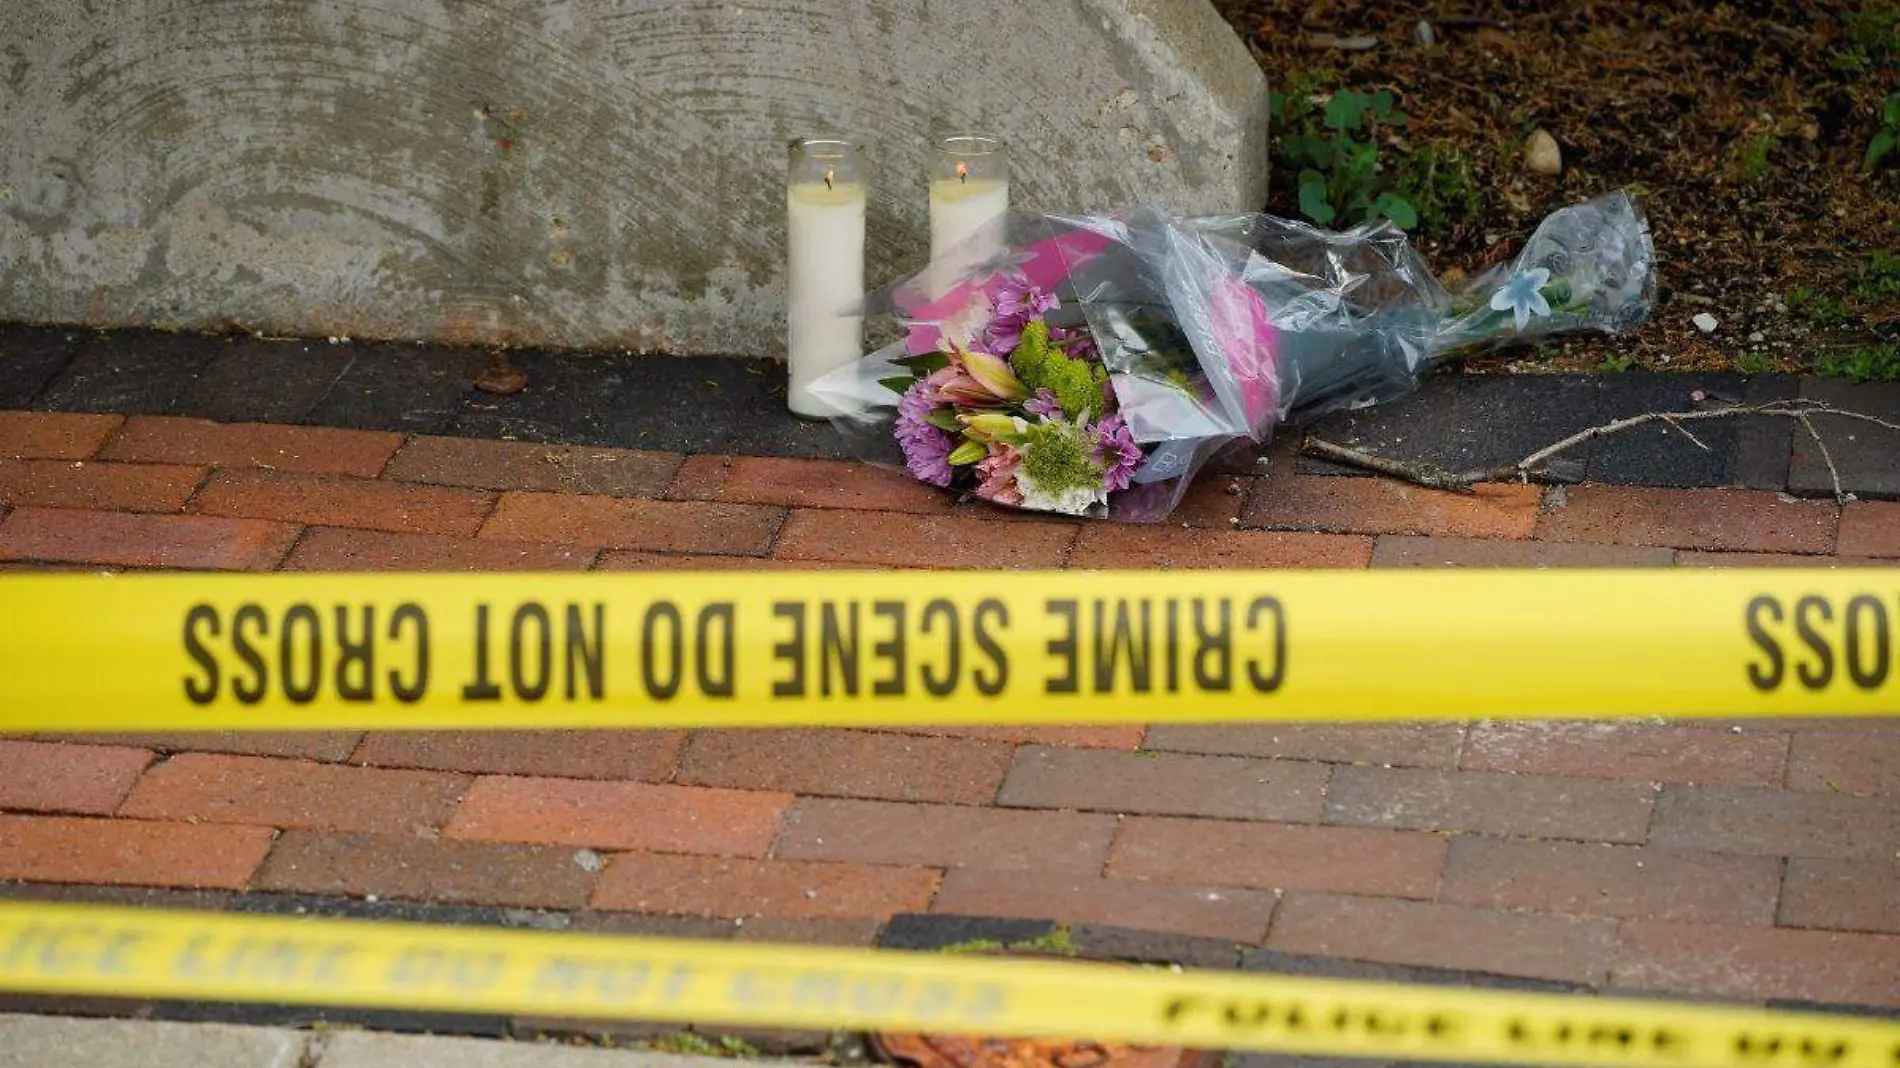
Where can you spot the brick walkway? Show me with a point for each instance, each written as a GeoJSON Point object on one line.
{"type": "Point", "coordinates": [1735, 859]}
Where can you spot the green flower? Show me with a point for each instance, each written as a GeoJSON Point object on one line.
{"type": "Point", "coordinates": [1076, 383]}
{"type": "Point", "coordinates": [1059, 471]}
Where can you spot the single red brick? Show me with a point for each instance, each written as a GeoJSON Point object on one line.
{"type": "Point", "coordinates": [1166, 784]}
{"type": "Point", "coordinates": [46, 777]}
{"type": "Point", "coordinates": [126, 540]}
{"type": "Point", "coordinates": [60, 849]}
{"type": "Point", "coordinates": [1433, 745]}
{"type": "Point", "coordinates": [700, 477]}
{"type": "Point", "coordinates": [294, 793]}
{"type": "Point", "coordinates": [54, 435]}
{"type": "Point", "coordinates": [643, 755]}
{"type": "Point", "coordinates": [1843, 895]}
{"type": "Point", "coordinates": [341, 549]}
{"type": "Point", "coordinates": [1559, 948]}
{"type": "Point", "coordinates": [1777, 823]}
{"type": "Point", "coordinates": [883, 832]}
{"type": "Point", "coordinates": [1637, 753]}
{"type": "Point", "coordinates": [901, 540]}
{"type": "Point", "coordinates": [345, 502]}
{"type": "Point", "coordinates": [103, 486]}
{"type": "Point", "coordinates": [330, 746]}
{"type": "Point", "coordinates": [1383, 506]}
{"type": "Point", "coordinates": [1862, 762]}
{"type": "Point", "coordinates": [839, 763]}
{"type": "Point", "coordinates": [669, 526]}
{"type": "Point", "coordinates": [1206, 911]}
{"type": "Point", "coordinates": [731, 887]}
{"type": "Point", "coordinates": [1213, 500]}
{"type": "Point", "coordinates": [1870, 528]}
{"type": "Point", "coordinates": [1489, 803]}
{"type": "Point", "coordinates": [1125, 546]}
{"type": "Point", "coordinates": [1686, 558]}
{"type": "Point", "coordinates": [317, 450]}
{"type": "Point", "coordinates": [827, 484]}
{"type": "Point", "coordinates": [632, 560]}
{"type": "Point", "coordinates": [809, 931]}
{"type": "Point", "coordinates": [1126, 736]}
{"type": "Point", "coordinates": [405, 867]}
{"type": "Point", "coordinates": [1757, 963]}
{"type": "Point", "coordinates": [1278, 856]}
{"type": "Point", "coordinates": [1398, 550]}
{"type": "Point", "coordinates": [1723, 519]}
{"type": "Point", "coordinates": [514, 465]}
{"type": "Point", "coordinates": [620, 815]}
{"type": "Point", "coordinates": [1593, 879]}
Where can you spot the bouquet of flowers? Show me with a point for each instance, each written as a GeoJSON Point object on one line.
{"type": "Point", "coordinates": [1091, 365]}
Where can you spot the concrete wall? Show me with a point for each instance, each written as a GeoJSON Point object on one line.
{"type": "Point", "coordinates": [599, 173]}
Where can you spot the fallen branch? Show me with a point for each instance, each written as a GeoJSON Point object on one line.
{"type": "Point", "coordinates": [1534, 467]}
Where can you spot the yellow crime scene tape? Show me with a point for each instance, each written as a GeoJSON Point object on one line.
{"type": "Point", "coordinates": [90, 653]}
{"type": "Point", "coordinates": [117, 952]}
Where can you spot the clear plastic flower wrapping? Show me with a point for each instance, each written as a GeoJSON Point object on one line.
{"type": "Point", "coordinates": [1216, 330]}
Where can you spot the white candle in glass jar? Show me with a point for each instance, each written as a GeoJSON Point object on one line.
{"type": "Point", "coordinates": [969, 197]}
{"type": "Point", "coordinates": [825, 277]}
{"type": "Point", "coordinates": [963, 209]}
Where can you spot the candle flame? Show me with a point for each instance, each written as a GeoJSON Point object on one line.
{"type": "Point", "coordinates": [828, 176]}
{"type": "Point", "coordinates": [963, 171]}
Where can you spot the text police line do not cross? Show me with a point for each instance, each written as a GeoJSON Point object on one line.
{"type": "Point", "coordinates": [533, 651]}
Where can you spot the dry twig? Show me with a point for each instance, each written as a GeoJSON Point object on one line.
{"type": "Point", "coordinates": [1533, 467]}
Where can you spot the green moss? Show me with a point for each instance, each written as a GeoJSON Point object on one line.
{"type": "Point", "coordinates": [1057, 942]}
{"type": "Point", "coordinates": [696, 1045]}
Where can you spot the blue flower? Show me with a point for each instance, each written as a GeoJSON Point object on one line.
{"type": "Point", "coordinates": [1522, 296]}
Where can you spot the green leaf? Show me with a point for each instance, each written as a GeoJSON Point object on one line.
{"type": "Point", "coordinates": [1345, 111]}
{"type": "Point", "coordinates": [1398, 209]}
{"type": "Point", "coordinates": [968, 453]}
{"type": "Point", "coordinates": [897, 383]}
{"type": "Point", "coordinates": [1276, 104]}
{"type": "Point", "coordinates": [1892, 111]}
{"type": "Point", "coordinates": [945, 419]}
{"type": "Point", "coordinates": [1398, 118]}
{"type": "Point", "coordinates": [1884, 142]}
{"type": "Point", "coordinates": [924, 362]}
{"type": "Point", "coordinates": [1313, 201]}
{"type": "Point", "coordinates": [1382, 102]}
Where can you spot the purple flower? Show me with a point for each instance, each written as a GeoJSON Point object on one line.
{"type": "Point", "coordinates": [1117, 451]}
{"type": "Point", "coordinates": [1015, 302]}
{"type": "Point", "coordinates": [1078, 344]}
{"type": "Point", "coordinates": [926, 448]}
{"type": "Point", "coordinates": [1044, 403]}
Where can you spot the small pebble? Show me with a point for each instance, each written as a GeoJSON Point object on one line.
{"type": "Point", "coordinates": [1705, 323]}
{"type": "Point", "coordinates": [589, 861]}
{"type": "Point", "coordinates": [1425, 34]}
{"type": "Point", "coordinates": [1541, 153]}
{"type": "Point", "coordinates": [1758, 337]}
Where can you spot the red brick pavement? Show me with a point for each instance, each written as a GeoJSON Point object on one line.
{"type": "Point", "coordinates": [1746, 859]}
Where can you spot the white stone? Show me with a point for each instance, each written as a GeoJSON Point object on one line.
{"type": "Point", "coordinates": [39, 1041]}
{"type": "Point", "coordinates": [1541, 154]}
{"type": "Point", "coordinates": [604, 175]}
{"type": "Point", "coordinates": [1705, 322]}
{"type": "Point", "coordinates": [365, 1049]}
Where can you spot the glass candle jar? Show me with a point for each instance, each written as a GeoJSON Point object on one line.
{"type": "Point", "coordinates": [824, 207]}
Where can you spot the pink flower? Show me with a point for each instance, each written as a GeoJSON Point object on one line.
{"type": "Point", "coordinates": [998, 474]}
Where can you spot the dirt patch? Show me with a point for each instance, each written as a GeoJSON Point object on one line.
{"type": "Point", "coordinates": [1743, 125]}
